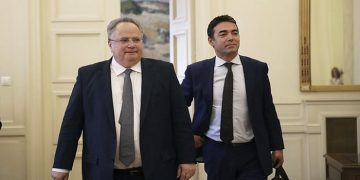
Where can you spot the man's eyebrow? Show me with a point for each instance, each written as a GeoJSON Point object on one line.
{"type": "Point", "coordinates": [224, 31]}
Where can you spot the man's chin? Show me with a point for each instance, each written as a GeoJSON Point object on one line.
{"type": "Point", "coordinates": [132, 58]}
{"type": "Point", "coordinates": [232, 51]}
{"type": "Point", "coordinates": [129, 61]}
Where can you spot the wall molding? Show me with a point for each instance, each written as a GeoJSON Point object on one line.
{"type": "Point", "coordinates": [82, 13]}
{"type": "Point", "coordinates": [57, 35]}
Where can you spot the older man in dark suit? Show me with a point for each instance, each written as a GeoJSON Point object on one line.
{"type": "Point", "coordinates": [235, 122]}
{"type": "Point", "coordinates": [132, 114]}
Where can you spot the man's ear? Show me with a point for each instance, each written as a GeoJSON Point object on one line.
{"type": "Point", "coordinates": [211, 41]}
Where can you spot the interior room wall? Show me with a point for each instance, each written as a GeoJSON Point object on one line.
{"type": "Point", "coordinates": [37, 50]}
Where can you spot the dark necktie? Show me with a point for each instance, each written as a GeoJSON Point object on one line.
{"type": "Point", "coordinates": [127, 150]}
{"type": "Point", "coordinates": [226, 128]}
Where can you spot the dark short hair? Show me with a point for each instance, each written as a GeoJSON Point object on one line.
{"type": "Point", "coordinates": [113, 23]}
{"type": "Point", "coordinates": [216, 21]}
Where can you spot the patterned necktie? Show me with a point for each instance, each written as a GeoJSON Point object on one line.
{"type": "Point", "coordinates": [127, 150]}
{"type": "Point", "coordinates": [226, 128]}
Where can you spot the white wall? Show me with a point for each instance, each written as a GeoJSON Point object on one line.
{"type": "Point", "coordinates": [356, 50]}
{"type": "Point", "coordinates": [37, 48]}
{"type": "Point", "coordinates": [14, 55]}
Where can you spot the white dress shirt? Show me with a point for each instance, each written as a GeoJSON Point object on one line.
{"type": "Point", "coordinates": [117, 81]}
{"type": "Point", "coordinates": [241, 124]}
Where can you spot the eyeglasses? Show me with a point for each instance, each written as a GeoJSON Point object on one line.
{"type": "Point", "coordinates": [126, 41]}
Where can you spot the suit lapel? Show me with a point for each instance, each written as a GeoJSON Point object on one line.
{"type": "Point", "coordinates": [146, 87]}
{"type": "Point", "coordinates": [106, 79]}
{"type": "Point", "coordinates": [208, 80]}
{"type": "Point", "coordinates": [249, 75]}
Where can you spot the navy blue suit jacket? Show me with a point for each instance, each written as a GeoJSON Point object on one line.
{"type": "Point", "coordinates": [165, 126]}
{"type": "Point", "coordinates": [198, 86]}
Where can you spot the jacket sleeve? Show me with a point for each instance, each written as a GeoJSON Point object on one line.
{"type": "Point", "coordinates": [181, 123]}
{"type": "Point", "coordinates": [186, 86]}
{"type": "Point", "coordinates": [70, 130]}
{"type": "Point", "coordinates": [271, 118]}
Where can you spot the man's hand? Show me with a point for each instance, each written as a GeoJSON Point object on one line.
{"type": "Point", "coordinates": [185, 171]}
{"type": "Point", "coordinates": [277, 158]}
{"type": "Point", "coordinates": [199, 141]}
{"type": "Point", "coordinates": [59, 175]}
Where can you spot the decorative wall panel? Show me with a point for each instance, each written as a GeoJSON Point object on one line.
{"type": "Point", "coordinates": [75, 48]}
{"type": "Point", "coordinates": [61, 99]}
{"type": "Point", "coordinates": [180, 53]}
{"type": "Point", "coordinates": [12, 156]}
{"type": "Point", "coordinates": [79, 10]}
{"type": "Point", "coordinates": [295, 154]}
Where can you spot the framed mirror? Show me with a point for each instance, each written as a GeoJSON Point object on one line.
{"type": "Point", "coordinates": [330, 45]}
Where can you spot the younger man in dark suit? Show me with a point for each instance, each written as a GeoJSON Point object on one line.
{"type": "Point", "coordinates": [235, 121]}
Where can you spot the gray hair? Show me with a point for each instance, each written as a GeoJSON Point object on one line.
{"type": "Point", "coordinates": [111, 26]}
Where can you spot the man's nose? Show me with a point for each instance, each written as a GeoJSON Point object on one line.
{"type": "Point", "coordinates": [131, 43]}
{"type": "Point", "coordinates": [230, 37]}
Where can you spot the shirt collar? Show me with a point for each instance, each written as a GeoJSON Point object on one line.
{"type": "Point", "coordinates": [118, 69]}
{"type": "Point", "coordinates": [220, 62]}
